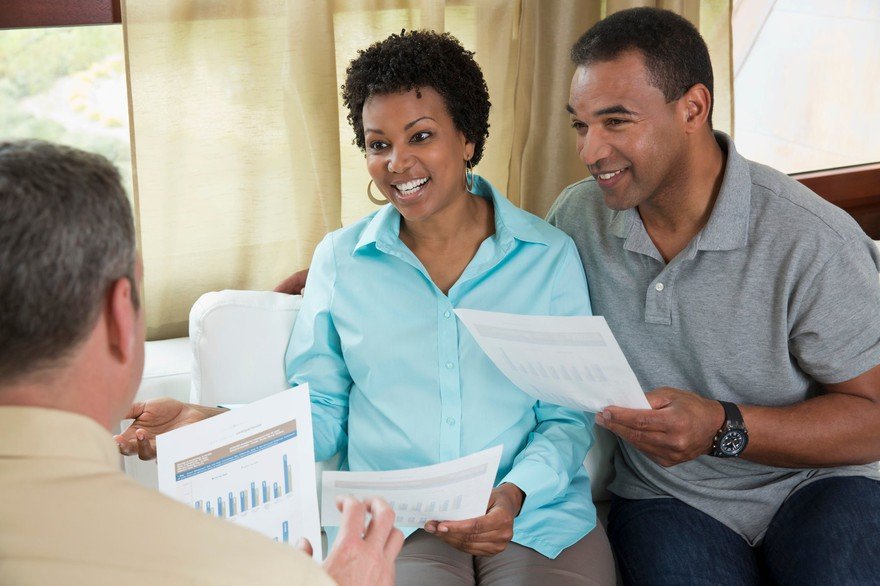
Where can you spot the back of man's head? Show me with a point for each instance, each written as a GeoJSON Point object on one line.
{"type": "Point", "coordinates": [66, 234]}
{"type": "Point", "coordinates": [676, 56]}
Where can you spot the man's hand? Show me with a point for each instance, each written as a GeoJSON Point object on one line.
{"type": "Point", "coordinates": [293, 285]}
{"type": "Point", "coordinates": [154, 417]}
{"type": "Point", "coordinates": [364, 555]}
{"type": "Point", "coordinates": [486, 535]}
{"type": "Point", "coordinates": [679, 427]}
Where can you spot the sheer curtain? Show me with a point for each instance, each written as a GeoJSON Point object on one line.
{"type": "Point", "coordinates": [244, 159]}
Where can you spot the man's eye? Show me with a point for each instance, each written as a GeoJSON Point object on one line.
{"type": "Point", "coordinates": [420, 136]}
{"type": "Point", "coordinates": [578, 125]}
{"type": "Point", "coordinates": [616, 121]}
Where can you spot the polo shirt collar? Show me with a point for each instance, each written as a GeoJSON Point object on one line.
{"type": "Point", "coordinates": [728, 225]}
{"type": "Point", "coordinates": [384, 228]}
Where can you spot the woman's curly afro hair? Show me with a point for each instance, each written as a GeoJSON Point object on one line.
{"type": "Point", "coordinates": [419, 59]}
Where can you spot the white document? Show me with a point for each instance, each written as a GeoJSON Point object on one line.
{"type": "Point", "coordinates": [450, 491]}
{"type": "Point", "coordinates": [570, 361]}
{"type": "Point", "coordinates": [254, 466]}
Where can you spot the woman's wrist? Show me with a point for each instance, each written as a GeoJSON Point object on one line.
{"type": "Point", "coordinates": [515, 495]}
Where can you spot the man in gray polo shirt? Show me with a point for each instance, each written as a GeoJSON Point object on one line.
{"type": "Point", "coordinates": [725, 282]}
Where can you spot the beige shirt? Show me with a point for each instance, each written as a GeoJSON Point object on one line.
{"type": "Point", "coordinates": [69, 516]}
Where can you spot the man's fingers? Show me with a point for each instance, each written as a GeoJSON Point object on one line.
{"type": "Point", "coordinates": [304, 546]}
{"type": "Point", "coordinates": [352, 522]}
{"type": "Point", "coordinates": [382, 522]}
{"type": "Point", "coordinates": [636, 437]}
{"type": "Point", "coordinates": [393, 545]}
{"type": "Point", "coordinates": [640, 419]}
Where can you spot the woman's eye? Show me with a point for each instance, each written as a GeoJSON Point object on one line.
{"type": "Point", "coordinates": [377, 145]}
{"type": "Point", "coordinates": [420, 136]}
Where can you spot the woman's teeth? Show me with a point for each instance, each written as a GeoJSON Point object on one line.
{"type": "Point", "coordinates": [410, 186]}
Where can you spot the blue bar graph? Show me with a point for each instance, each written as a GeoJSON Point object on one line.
{"type": "Point", "coordinates": [230, 506]}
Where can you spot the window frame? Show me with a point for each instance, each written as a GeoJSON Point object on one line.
{"type": "Point", "coordinates": [44, 13]}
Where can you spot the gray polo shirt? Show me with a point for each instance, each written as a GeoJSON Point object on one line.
{"type": "Point", "coordinates": [777, 294]}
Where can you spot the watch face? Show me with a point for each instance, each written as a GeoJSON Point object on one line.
{"type": "Point", "coordinates": [732, 442]}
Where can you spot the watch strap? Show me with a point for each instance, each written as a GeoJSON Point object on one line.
{"type": "Point", "coordinates": [732, 415]}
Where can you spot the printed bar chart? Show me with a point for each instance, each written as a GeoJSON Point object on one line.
{"type": "Point", "coordinates": [248, 499]}
{"type": "Point", "coordinates": [253, 466]}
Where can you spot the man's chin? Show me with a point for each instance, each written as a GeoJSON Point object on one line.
{"type": "Point", "coordinates": [618, 202]}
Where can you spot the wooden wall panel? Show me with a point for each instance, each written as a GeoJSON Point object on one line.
{"type": "Point", "coordinates": [37, 13]}
{"type": "Point", "coordinates": [855, 189]}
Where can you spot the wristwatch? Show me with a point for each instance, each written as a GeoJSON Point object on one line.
{"type": "Point", "coordinates": [733, 437]}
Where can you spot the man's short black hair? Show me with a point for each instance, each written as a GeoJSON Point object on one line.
{"type": "Point", "coordinates": [419, 59]}
{"type": "Point", "coordinates": [676, 56]}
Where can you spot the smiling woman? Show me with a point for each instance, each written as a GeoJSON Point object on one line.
{"type": "Point", "coordinates": [419, 108]}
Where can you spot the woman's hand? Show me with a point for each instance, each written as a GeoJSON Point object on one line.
{"type": "Point", "coordinates": [486, 535]}
{"type": "Point", "coordinates": [154, 417]}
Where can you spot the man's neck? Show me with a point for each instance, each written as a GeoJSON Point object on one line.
{"type": "Point", "coordinates": [674, 218]}
{"type": "Point", "coordinates": [52, 390]}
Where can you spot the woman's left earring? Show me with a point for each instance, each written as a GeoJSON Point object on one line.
{"type": "Point", "coordinates": [469, 175]}
{"type": "Point", "coordinates": [374, 199]}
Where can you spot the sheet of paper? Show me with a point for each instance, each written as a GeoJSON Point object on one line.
{"type": "Point", "coordinates": [450, 491]}
{"type": "Point", "coordinates": [254, 466]}
{"type": "Point", "coordinates": [570, 361]}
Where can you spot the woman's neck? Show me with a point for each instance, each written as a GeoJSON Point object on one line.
{"type": "Point", "coordinates": [468, 219]}
{"type": "Point", "coordinates": [447, 243]}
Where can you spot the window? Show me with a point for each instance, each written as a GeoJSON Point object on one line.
{"type": "Point", "coordinates": [65, 83]}
{"type": "Point", "coordinates": [805, 82]}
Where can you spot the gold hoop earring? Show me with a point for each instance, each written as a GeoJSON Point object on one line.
{"type": "Point", "coordinates": [469, 175]}
{"type": "Point", "coordinates": [375, 200]}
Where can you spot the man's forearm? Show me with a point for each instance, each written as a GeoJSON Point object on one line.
{"type": "Point", "coordinates": [829, 430]}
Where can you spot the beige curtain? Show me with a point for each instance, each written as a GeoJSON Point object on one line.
{"type": "Point", "coordinates": [244, 159]}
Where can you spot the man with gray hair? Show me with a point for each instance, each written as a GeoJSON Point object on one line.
{"type": "Point", "coordinates": [71, 359]}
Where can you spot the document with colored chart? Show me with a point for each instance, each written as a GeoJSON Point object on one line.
{"type": "Point", "coordinates": [570, 361]}
{"type": "Point", "coordinates": [254, 465]}
{"type": "Point", "coordinates": [450, 491]}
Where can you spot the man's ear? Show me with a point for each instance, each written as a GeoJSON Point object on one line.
{"type": "Point", "coordinates": [121, 319]}
{"type": "Point", "coordinates": [696, 103]}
